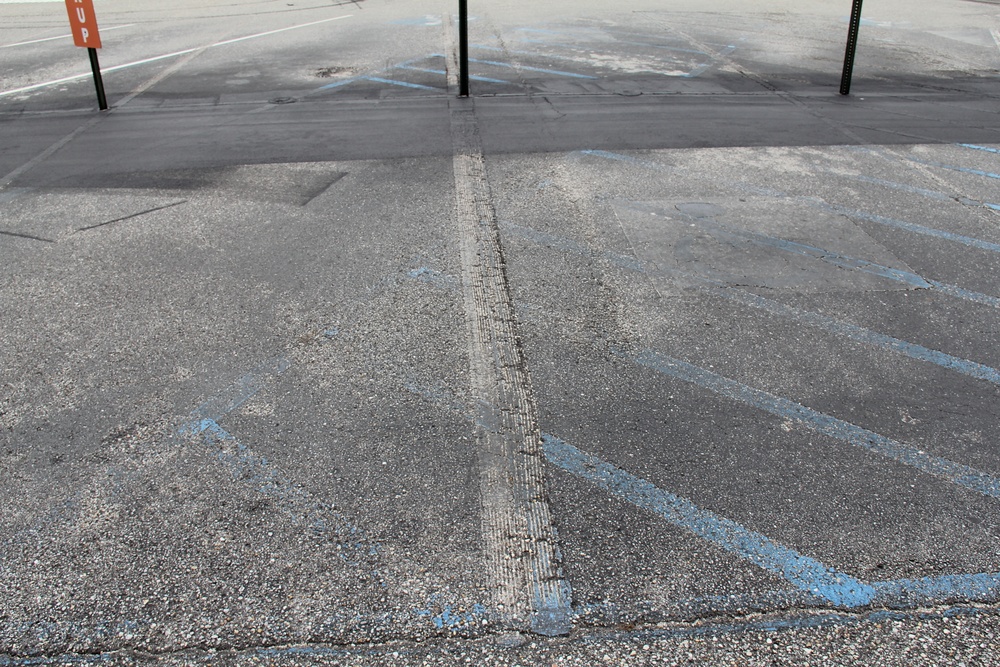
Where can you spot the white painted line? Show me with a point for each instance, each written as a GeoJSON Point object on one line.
{"type": "Point", "coordinates": [50, 39]}
{"type": "Point", "coordinates": [165, 56]}
{"type": "Point", "coordinates": [996, 36]}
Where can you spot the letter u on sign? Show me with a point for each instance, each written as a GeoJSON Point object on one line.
{"type": "Point", "coordinates": [83, 23]}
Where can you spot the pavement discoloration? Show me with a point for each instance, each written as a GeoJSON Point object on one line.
{"type": "Point", "coordinates": [656, 351]}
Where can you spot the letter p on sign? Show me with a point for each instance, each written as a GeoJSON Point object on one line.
{"type": "Point", "coordinates": [83, 22]}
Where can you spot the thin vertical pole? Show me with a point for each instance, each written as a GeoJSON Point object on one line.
{"type": "Point", "coordinates": [102, 101]}
{"type": "Point", "coordinates": [463, 48]}
{"type": "Point", "coordinates": [852, 47]}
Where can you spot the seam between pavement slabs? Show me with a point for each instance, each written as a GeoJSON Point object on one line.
{"type": "Point", "coordinates": [520, 542]}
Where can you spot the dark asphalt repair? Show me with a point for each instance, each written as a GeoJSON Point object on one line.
{"type": "Point", "coordinates": [657, 350]}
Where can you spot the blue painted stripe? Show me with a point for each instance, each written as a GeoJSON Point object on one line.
{"type": "Point", "coordinates": [951, 167]}
{"type": "Point", "coordinates": [531, 69]}
{"type": "Point", "coordinates": [846, 261]}
{"type": "Point", "coordinates": [405, 84]}
{"type": "Point", "coordinates": [863, 335]}
{"type": "Point", "coordinates": [288, 496]}
{"type": "Point", "coordinates": [484, 79]}
{"type": "Point", "coordinates": [928, 590]}
{"type": "Point", "coordinates": [931, 194]}
{"type": "Point", "coordinates": [240, 391]}
{"type": "Point", "coordinates": [980, 148]}
{"type": "Point", "coordinates": [968, 295]}
{"type": "Point", "coordinates": [860, 334]}
{"type": "Point", "coordinates": [801, 571]}
{"type": "Point", "coordinates": [337, 84]}
{"type": "Point", "coordinates": [837, 259]}
{"type": "Point", "coordinates": [918, 229]}
{"type": "Point", "coordinates": [956, 473]}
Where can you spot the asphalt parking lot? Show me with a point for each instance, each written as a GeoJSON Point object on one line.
{"type": "Point", "coordinates": [657, 350]}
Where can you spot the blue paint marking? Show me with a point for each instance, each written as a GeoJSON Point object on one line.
{"type": "Point", "coordinates": [860, 334]}
{"type": "Point", "coordinates": [837, 259]}
{"type": "Point", "coordinates": [931, 194]}
{"type": "Point", "coordinates": [801, 571]}
{"type": "Point", "coordinates": [848, 262]}
{"type": "Point", "coordinates": [928, 590]}
{"type": "Point", "coordinates": [337, 84]}
{"type": "Point", "coordinates": [951, 167]}
{"type": "Point", "coordinates": [427, 275]}
{"type": "Point", "coordinates": [289, 497]}
{"type": "Point", "coordinates": [956, 473]}
{"type": "Point", "coordinates": [451, 619]}
{"type": "Point", "coordinates": [484, 79]}
{"type": "Point", "coordinates": [241, 391]}
{"type": "Point", "coordinates": [918, 229]}
{"type": "Point", "coordinates": [968, 295]}
{"type": "Point", "coordinates": [980, 148]}
{"type": "Point", "coordinates": [495, 63]}
{"type": "Point", "coordinates": [405, 84]}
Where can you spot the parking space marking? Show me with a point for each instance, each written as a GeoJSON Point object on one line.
{"type": "Point", "coordinates": [496, 63]}
{"type": "Point", "coordinates": [115, 68]}
{"type": "Point", "coordinates": [240, 391]}
{"type": "Point", "coordinates": [951, 167]}
{"type": "Point", "coordinates": [917, 229]}
{"type": "Point", "coordinates": [803, 572]}
{"type": "Point", "coordinates": [898, 593]}
{"type": "Point", "coordinates": [980, 148]}
{"type": "Point", "coordinates": [846, 261]}
{"type": "Point", "coordinates": [405, 84]}
{"type": "Point", "coordinates": [956, 473]}
{"type": "Point", "coordinates": [838, 327]}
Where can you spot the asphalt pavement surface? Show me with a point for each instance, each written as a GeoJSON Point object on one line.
{"type": "Point", "coordinates": [655, 350]}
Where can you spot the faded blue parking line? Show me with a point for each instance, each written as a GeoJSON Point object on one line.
{"type": "Point", "coordinates": [900, 593]}
{"type": "Point", "coordinates": [956, 473]}
{"type": "Point", "coordinates": [241, 390]}
{"type": "Point", "coordinates": [980, 148]}
{"type": "Point", "coordinates": [913, 227]}
{"type": "Point", "coordinates": [496, 63]}
{"type": "Point", "coordinates": [838, 327]}
{"type": "Point", "coordinates": [405, 84]}
{"type": "Point", "coordinates": [968, 295]}
{"type": "Point", "coordinates": [924, 192]}
{"type": "Point", "coordinates": [931, 590]}
{"type": "Point", "coordinates": [803, 572]}
{"type": "Point", "coordinates": [863, 335]}
{"type": "Point", "coordinates": [846, 261]}
{"type": "Point", "coordinates": [442, 72]}
{"type": "Point", "coordinates": [951, 167]}
{"type": "Point", "coordinates": [289, 496]}
{"type": "Point", "coordinates": [837, 259]}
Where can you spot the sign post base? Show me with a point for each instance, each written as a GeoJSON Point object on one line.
{"type": "Point", "coordinates": [102, 101]}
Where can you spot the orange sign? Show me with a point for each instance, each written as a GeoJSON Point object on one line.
{"type": "Point", "coordinates": [83, 21]}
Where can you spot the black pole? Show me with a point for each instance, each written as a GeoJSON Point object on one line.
{"type": "Point", "coordinates": [852, 47]}
{"type": "Point", "coordinates": [102, 101]}
{"type": "Point", "coordinates": [463, 48]}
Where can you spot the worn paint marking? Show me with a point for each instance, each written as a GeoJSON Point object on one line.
{"type": "Point", "coordinates": [950, 471]}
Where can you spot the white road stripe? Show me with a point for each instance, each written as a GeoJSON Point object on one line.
{"type": "Point", "coordinates": [165, 56]}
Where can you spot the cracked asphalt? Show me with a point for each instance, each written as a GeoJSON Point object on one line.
{"type": "Point", "coordinates": [656, 350]}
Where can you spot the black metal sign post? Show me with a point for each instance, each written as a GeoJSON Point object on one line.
{"type": "Point", "coordinates": [852, 47]}
{"type": "Point", "coordinates": [102, 100]}
{"type": "Point", "coordinates": [463, 48]}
